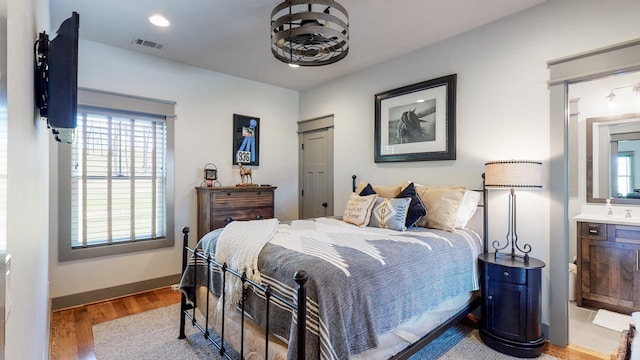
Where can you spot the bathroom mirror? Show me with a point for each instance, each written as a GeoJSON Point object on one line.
{"type": "Point", "coordinates": [613, 159]}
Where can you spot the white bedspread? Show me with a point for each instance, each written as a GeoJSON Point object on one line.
{"type": "Point", "coordinates": [238, 246]}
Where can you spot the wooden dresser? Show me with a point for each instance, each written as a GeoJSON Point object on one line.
{"type": "Point", "coordinates": [608, 266]}
{"type": "Point", "coordinates": [217, 206]}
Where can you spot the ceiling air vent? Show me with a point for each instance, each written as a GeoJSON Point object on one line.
{"type": "Point", "coordinates": [147, 43]}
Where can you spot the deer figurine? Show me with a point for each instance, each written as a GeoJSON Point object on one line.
{"type": "Point", "coordinates": [245, 175]}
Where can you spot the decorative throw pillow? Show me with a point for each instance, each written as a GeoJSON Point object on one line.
{"type": "Point", "coordinates": [390, 213]}
{"type": "Point", "coordinates": [442, 205]}
{"type": "Point", "coordinates": [367, 190]}
{"type": "Point", "coordinates": [468, 206]}
{"type": "Point", "coordinates": [416, 207]}
{"type": "Point", "coordinates": [358, 209]}
{"type": "Point", "coordinates": [384, 191]}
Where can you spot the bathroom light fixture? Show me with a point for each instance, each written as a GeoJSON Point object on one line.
{"type": "Point", "coordinates": [512, 174]}
{"type": "Point", "coordinates": [159, 20]}
{"type": "Point", "coordinates": [612, 96]}
{"type": "Point", "coordinates": [309, 32]}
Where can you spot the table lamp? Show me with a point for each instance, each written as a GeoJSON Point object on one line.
{"type": "Point", "coordinates": [512, 175]}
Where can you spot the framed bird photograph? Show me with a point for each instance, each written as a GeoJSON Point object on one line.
{"type": "Point", "coordinates": [246, 140]}
{"type": "Point", "coordinates": [416, 122]}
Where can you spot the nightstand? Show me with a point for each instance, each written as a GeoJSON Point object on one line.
{"type": "Point", "coordinates": [511, 305]}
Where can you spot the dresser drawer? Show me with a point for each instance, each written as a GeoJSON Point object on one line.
{"type": "Point", "coordinates": [243, 199]}
{"type": "Point", "coordinates": [625, 234]}
{"type": "Point", "coordinates": [593, 231]}
{"type": "Point", "coordinates": [507, 275]}
{"type": "Point", "coordinates": [221, 215]}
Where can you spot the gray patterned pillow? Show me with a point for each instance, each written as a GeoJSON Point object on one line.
{"type": "Point", "coordinates": [390, 213]}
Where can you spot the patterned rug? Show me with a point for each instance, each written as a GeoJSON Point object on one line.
{"type": "Point", "coordinates": [154, 335]}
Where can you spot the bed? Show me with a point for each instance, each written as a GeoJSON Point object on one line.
{"type": "Point", "coordinates": [327, 285]}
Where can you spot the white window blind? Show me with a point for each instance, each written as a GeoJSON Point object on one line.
{"type": "Point", "coordinates": [118, 187]}
{"type": "Point", "coordinates": [115, 183]}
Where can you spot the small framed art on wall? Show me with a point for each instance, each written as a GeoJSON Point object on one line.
{"type": "Point", "coordinates": [246, 140]}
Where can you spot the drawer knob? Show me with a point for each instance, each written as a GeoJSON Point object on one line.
{"type": "Point", "coordinates": [594, 230]}
{"type": "Point", "coordinates": [505, 274]}
{"type": "Point", "coordinates": [490, 297]}
{"type": "Point", "coordinates": [259, 217]}
{"type": "Point", "coordinates": [228, 220]}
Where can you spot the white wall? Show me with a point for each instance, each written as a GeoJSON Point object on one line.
{"type": "Point", "coordinates": [206, 102]}
{"type": "Point", "coordinates": [27, 327]}
{"type": "Point", "coordinates": [502, 105]}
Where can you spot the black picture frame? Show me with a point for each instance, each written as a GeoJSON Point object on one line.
{"type": "Point", "coordinates": [416, 122]}
{"type": "Point", "coordinates": [211, 174]}
{"type": "Point", "coordinates": [242, 126]}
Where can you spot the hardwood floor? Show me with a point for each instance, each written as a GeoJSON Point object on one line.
{"type": "Point", "coordinates": [71, 334]}
{"type": "Point", "coordinates": [72, 338]}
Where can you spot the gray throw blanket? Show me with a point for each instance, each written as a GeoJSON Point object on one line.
{"type": "Point", "coordinates": [363, 282]}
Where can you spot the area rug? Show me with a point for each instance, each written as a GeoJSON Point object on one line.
{"type": "Point", "coordinates": [154, 335]}
{"type": "Point", "coordinates": [612, 320]}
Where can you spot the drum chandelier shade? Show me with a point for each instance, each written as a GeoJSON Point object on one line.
{"type": "Point", "coordinates": [309, 32]}
{"type": "Point", "coordinates": [518, 174]}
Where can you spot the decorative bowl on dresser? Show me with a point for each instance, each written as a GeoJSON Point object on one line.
{"type": "Point", "coordinates": [217, 206]}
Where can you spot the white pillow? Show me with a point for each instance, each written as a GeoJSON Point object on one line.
{"type": "Point", "coordinates": [468, 206]}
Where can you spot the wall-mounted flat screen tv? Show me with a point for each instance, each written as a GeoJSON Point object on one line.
{"type": "Point", "coordinates": [57, 79]}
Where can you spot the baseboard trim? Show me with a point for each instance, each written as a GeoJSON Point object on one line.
{"type": "Point", "coordinates": [94, 296]}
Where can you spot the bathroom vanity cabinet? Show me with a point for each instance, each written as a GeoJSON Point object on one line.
{"type": "Point", "coordinates": [608, 260]}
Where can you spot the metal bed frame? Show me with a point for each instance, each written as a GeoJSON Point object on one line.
{"type": "Point", "coordinates": [298, 308]}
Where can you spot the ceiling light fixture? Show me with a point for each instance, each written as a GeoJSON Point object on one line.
{"type": "Point", "coordinates": [309, 32]}
{"type": "Point", "coordinates": [159, 20]}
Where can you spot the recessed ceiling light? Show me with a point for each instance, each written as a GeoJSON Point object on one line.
{"type": "Point", "coordinates": [159, 20]}
{"type": "Point", "coordinates": [294, 65]}
{"type": "Point", "coordinates": [420, 100]}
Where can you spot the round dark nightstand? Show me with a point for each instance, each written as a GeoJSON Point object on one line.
{"type": "Point", "coordinates": [511, 305]}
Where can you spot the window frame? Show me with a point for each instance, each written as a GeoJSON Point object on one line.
{"type": "Point", "coordinates": [133, 106]}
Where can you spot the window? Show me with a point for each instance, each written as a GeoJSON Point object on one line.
{"type": "Point", "coordinates": [115, 180]}
{"type": "Point", "coordinates": [625, 172]}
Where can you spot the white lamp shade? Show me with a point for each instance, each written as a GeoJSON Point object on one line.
{"type": "Point", "coordinates": [519, 174]}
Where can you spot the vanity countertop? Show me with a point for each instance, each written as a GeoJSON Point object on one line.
{"type": "Point", "coordinates": [595, 213]}
{"type": "Point", "coordinates": [614, 219]}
